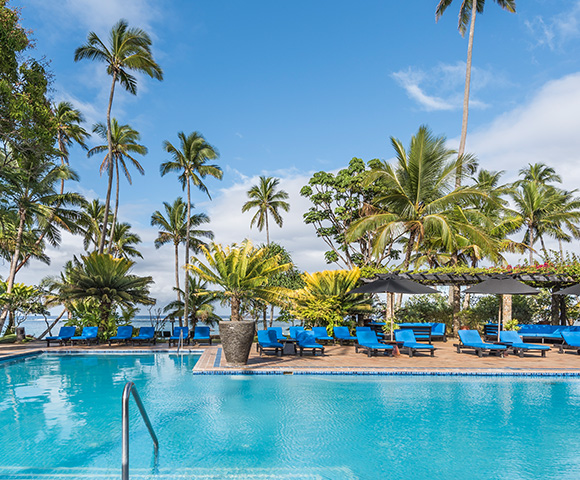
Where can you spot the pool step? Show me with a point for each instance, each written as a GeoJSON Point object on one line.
{"type": "Point", "coordinates": [336, 473]}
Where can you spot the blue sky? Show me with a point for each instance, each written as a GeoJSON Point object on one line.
{"type": "Point", "coordinates": [290, 88]}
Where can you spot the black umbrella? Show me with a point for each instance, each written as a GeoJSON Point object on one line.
{"type": "Point", "coordinates": [394, 285]}
{"type": "Point", "coordinates": [502, 286]}
{"type": "Point", "coordinates": [573, 290]}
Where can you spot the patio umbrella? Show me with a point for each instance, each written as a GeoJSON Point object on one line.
{"type": "Point", "coordinates": [502, 286]}
{"type": "Point", "coordinates": [394, 285]}
{"type": "Point", "coordinates": [573, 290]}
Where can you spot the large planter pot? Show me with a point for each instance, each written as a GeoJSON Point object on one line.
{"type": "Point", "coordinates": [237, 339]}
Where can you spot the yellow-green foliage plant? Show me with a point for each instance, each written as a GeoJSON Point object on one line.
{"type": "Point", "coordinates": [325, 299]}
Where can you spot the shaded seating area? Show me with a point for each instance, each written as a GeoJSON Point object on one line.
{"type": "Point", "coordinates": [64, 336]}
{"type": "Point", "coordinates": [571, 342]}
{"type": "Point", "coordinates": [268, 341]}
{"type": "Point", "coordinates": [321, 334]}
{"type": "Point", "coordinates": [201, 334]}
{"type": "Point", "coordinates": [177, 331]}
{"type": "Point", "coordinates": [307, 341]}
{"type": "Point", "coordinates": [124, 333]}
{"type": "Point", "coordinates": [471, 340]}
{"type": "Point", "coordinates": [88, 335]}
{"type": "Point", "coordinates": [406, 341]}
{"type": "Point", "coordinates": [511, 339]}
{"type": "Point", "coordinates": [146, 335]}
{"type": "Point", "coordinates": [368, 341]}
{"type": "Point", "coordinates": [342, 334]}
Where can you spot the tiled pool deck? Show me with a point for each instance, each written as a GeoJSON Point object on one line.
{"type": "Point", "coordinates": [343, 359]}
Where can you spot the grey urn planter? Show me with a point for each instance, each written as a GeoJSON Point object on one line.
{"type": "Point", "coordinates": [237, 339]}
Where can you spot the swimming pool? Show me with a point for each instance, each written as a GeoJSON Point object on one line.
{"type": "Point", "coordinates": [60, 417]}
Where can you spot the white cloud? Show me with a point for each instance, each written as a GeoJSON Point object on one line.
{"type": "Point", "coordinates": [556, 31]}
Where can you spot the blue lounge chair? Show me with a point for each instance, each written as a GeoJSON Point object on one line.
{"type": "Point", "coordinates": [512, 340]}
{"type": "Point", "coordinates": [88, 335]}
{"type": "Point", "coordinates": [175, 337]}
{"type": "Point", "coordinates": [406, 341]}
{"type": "Point", "coordinates": [268, 340]}
{"type": "Point", "coordinates": [367, 340]}
{"type": "Point", "coordinates": [571, 341]}
{"type": "Point", "coordinates": [124, 333]}
{"type": "Point", "coordinates": [363, 329]}
{"type": "Point", "coordinates": [146, 335]}
{"type": "Point", "coordinates": [471, 340]}
{"type": "Point", "coordinates": [294, 331]}
{"type": "Point", "coordinates": [64, 335]}
{"type": "Point", "coordinates": [342, 334]}
{"type": "Point", "coordinates": [279, 334]}
{"type": "Point", "coordinates": [321, 334]}
{"type": "Point", "coordinates": [201, 334]}
{"type": "Point", "coordinates": [307, 340]}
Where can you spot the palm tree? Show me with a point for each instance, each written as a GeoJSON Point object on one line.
{"type": "Point", "coordinates": [241, 272]}
{"type": "Point", "coordinates": [173, 229]}
{"type": "Point", "coordinates": [467, 13]}
{"type": "Point", "coordinates": [538, 172]}
{"type": "Point", "coordinates": [105, 280]}
{"type": "Point", "coordinates": [91, 223]}
{"type": "Point", "coordinates": [191, 161]}
{"type": "Point", "coordinates": [69, 131]}
{"type": "Point", "coordinates": [129, 50]}
{"type": "Point", "coordinates": [124, 242]}
{"type": "Point", "coordinates": [200, 302]}
{"type": "Point", "coordinates": [267, 201]}
{"type": "Point", "coordinates": [418, 198]}
{"type": "Point", "coordinates": [123, 143]}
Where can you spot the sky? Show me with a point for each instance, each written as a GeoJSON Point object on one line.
{"type": "Point", "coordinates": [287, 89]}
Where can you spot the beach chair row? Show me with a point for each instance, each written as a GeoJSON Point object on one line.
{"type": "Point", "coordinates": [67, 335]}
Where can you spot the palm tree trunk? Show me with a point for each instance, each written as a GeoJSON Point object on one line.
{"type": "Point", "coordinates": [116, 206]}
{"type": "Point", "coordinates": [13, 263]}
{"type": "Point", "coordinates": [463, 139]}
{"type": "Point", "coordinates": [56, 320]}
{"type": "Point", "coordinates": [177, 274]}
{"type": "Point", "coordinates": [110, 143]}
{"type": "Point", "coordinates": [62, 158]}
{"type": "Point", "coordinates": [235, 309]}
{"type": "Point", "coordinates": [532, 240]}
{"type": "Point", "coordinates": [267, 231]}
{"type": "Point", "coordinates": [544, 248]}
{"type": "Point", "coordinates": [188, 223]}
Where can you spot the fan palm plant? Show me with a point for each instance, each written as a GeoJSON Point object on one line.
{"type": "Point", "coordinates": [241, 272]}
{"type": "Point", "coordinates": [123, 143]}
{"type": "Point", "coordinates": [128, 50]}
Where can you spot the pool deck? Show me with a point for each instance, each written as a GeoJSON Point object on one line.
{"type": "Point", "coordinates": [343, 359]}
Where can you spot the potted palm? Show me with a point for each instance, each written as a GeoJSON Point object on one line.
{"type": "Point", "coordinates": [241, 272]}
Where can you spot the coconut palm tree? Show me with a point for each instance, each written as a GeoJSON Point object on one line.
{"type": "Point", "coordinates": [267, 201]}
{"type": "Point", "coordinates": [191, 161]}
{"type": "Point", "coordinates": [123, 143]}
{"type": "Point", "coordinates": [173, 228]}
{"type": "Point", "coordinates": [91, 223]}
{"type": "Point", "coordinates": [128, 50]}
{"type": "Point", "coordinates": [200, 303]}
{"type": "Point", "coordinates": [241, 272]}
{"type": "Point", "coordinates": [467, 13]}
{"type": "Point", "coordinates": [124, 242]}
{"type": "Point", "coordinates": [69, 131]}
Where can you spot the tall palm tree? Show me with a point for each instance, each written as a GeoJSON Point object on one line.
{"type": "Point", "coordinates": [123, 143]}
{"type": "Point", "coordinates": [173, 228]}
{"type": "Point", "coordinates": [200, 302]}
{"type": "Point", "coordinates": [538, 172]}
{"type": "Point", "coordinates": [69, 131]}
{"type": "Point", "coordinates": [467, 13]}
{"type": "Point", "coordinates": [124, 242]}
{"type": "Point", "coordinates": [91, 223]}
{"type": "Point", "coordinates": [128, 50]}
{"type": "Point", "coordinates": [267, 201]}
{"type": "Point", "coordinates": [191, 161]}
{"type": "Point", "coordinates": [241, 272]}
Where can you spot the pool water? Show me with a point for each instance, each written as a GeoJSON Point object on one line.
{"type": "Point", "coordinates": [60, 417]}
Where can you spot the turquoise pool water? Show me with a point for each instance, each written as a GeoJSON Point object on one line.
{"type": "Point", "coordinates": [60, 417]}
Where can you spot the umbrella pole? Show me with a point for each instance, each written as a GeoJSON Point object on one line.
{"type": "Point", "coordinates": [500, 320]}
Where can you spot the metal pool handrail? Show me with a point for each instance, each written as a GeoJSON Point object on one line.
{"type": "Point", "coordinates": [127, 391]}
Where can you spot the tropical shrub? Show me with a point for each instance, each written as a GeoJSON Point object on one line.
{"type": "Point", "coordinates": [425, 308]}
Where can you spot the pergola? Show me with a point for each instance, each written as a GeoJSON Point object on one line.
{"type": "Point", "coordinates": [554, 282]}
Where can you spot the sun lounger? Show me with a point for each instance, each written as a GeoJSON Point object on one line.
{"type": "Point", "coordinates": [571, 341]}
{"type": "Point", "coordinates": [175, 337]}
{"type": "Point", "coordinates": [471, 340]}
{"type": "Point", "coordinates": [511, 339]}
{"type": "Point", "coordinates": [367, 340]}
{"type": "Point", "coordinates": [294, 331]}
{"type": "Point", "coordinates": [363, 329]}
{"type": "Point", "coordinates": [268, 340]}
{"type": "Point", "coordinates": [321, 334]}
{"type": "Point", "coordinates": [88, 335]}
{"type": "Point", "coordinates": [201, 333]}
{"type": "Point", "coordinates": [306, 340]}
{"type": "Point", "coordinates": [124, 333]}
{"type": "Point", "coordinates": [342, 334]}
{"type": "Point", "coordinates": [146, 335]}
{"type": "Point", "coordinates": [64, 335]}
{"type": "Point", "coordinates": [406, 341]}
{"type": "Point", "coordinates": [278, 331]}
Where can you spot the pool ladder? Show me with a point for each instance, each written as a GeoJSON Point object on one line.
{"type": "Point", "coordinates": [127, 391]}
